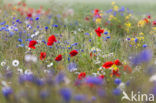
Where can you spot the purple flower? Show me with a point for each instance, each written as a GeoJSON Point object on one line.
{"type": "Point", "coordinates": [143, 56]}
{"type": "Point", "coordinates": [60, 78]}
{"type": "Point", "coordinates": [117, 91]}
{"type": "Point", "coordinates": [117, 81]}
{"type": "Point", "coordinates": [93, 98]}
{"type": "Point", "coordinates": [66, 94]}
{"type": "Point", "coordinates": [72, 67]}
{"type": "Point", "coordinates": [93, 80]}
{"type": "Point", "coordinates": [6, 91]}
{"type": "Point", "coordinates": [79, 97]}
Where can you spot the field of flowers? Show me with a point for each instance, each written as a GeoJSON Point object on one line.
{"type": "Point", "coordinates": [56, 54]}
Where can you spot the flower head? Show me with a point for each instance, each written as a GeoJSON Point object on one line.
{"type": "Point", "coordinates": [15, 63]}
{"type": "Point", "coordinates": [82, 75]}
{"type": "Point", "coordinates": [32, 44]}
{"type": "Point", "coordinates": [66, 94]}
{"type": "Point", "coordinates": [51, 40]}
{"type": "Point", "coordinates": [107, 64]}
{"type": "Point", "coordinates": [7, 91]}
{"type": "Point", "coordinates": [99, 31]}
{"type": "Point", "coordinates": [42, 55]}
{"type": "Point", "coordinates": [58, 58]}
{"type": "Point", "coordinates": [73, 53]}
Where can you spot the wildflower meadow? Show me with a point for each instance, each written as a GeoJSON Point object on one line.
{"type": "Point", "coordinates": [83, 52]}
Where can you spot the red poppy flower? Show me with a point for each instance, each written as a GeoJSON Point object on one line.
{"type": "Point", "coordinates": [73, 53]}
{"type": "Point", "coordinates": [108, 64]}
{"type": "Point", "coordinates": [32, 44]}
{"type": "Point", "coordinates": [154, 23]}
{"type": "Point", "coordinates": [149, 17]}
{"type": "Point", "coordinates": [99, 31]}
{"type": "Point", "coordinates": [115, 73]}
{"type": "Point", "coordinates": [51, 40]}
{"type": "Point", "coordinates": [82, 75]}
{"type": "Point", "coordinates": [117, 62]}
{"type": "Point", "coordinates": [42, 55]}
{"type": "Point", "coordinates": [29, 15]}
{"type": "Point", "coordinates": [58, 58]}
{"type": "Point", "coordinates": [101, 76]}
{"type": "Point", "coordinates": [96, 12]}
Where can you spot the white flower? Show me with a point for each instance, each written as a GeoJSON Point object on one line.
{"type": "Point", "coordinates": [4, 83]}
{"type": "Point", "coordinates": [50, 65]}
{"type": "Point", "coordinates": [30, 58]}
{"type": "Point", "coordinates": [46, 71]}
{"type": "Point", "coordinates": [28, 71]}
{"type": "Point", "coordinates": [34, 58]}
{"type": "Point", "coordinates": [153, 78]}
{"type": "Point", "coordinates": [15, 63]}
{"type": "Point", "coordinates": [121, 86]}
{"type": "Point", "coordinates": [20, 70]}
{"type": "Point", "coordinates": [97, 62]}
{"type": "Point", "coordinates": [3, 63]}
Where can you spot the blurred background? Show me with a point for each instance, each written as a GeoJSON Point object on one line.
{"type": "Point", "coordinates": [74, 1]}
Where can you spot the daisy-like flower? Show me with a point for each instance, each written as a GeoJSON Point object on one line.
{"type": "Point", "coordinates": [15, 63]}
{"type": "Point", "coordinates": [3, 63]}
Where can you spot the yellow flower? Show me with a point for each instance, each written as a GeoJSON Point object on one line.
{"type": "Point", "coordinates": [113, 3]}
{"type": "Point", "coordinates": [116, 8]}
{"type": "Point", "coordinates": [110, 17]}
{"type": "Point", "coordinates": [128, 16]}
{"type": "Point", "coordinates": [128, 24]}
{"type": "Point", "coordinates": [141, 23]}
{"type": "Point", "coordinates": [68, 46]}
{"type": "Point", "coordinates": [141, 33]}
{"type": "Point", "coordinates": [98, 20]}
{"type": "Point", "coordinates": [114, 67]}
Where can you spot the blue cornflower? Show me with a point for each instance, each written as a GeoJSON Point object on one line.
{"type": "Point", "coordinates": [59, 78]}
{"type": "Point", "coordinates": [54, 25]}
{"type": "Point", "coordinates": [136, 40]}
{"type": "Point", "coordinates": [93, 80]}
{"type": "Point", "coordinates": [6, 91]}
{"type": "Point", "coordinates": [108, 37]}
{"type": "Point", "coordinates": [66, 94]}
{"type": "Point", "coordinates": [79, 97]}
{"type": "Point", "coordinates": [117, 81]}
{"type": "Point", "coordinates": [72, 67]}
{"type": "Point", "coordinates": [37, 18]}
{"type": "Point", "coordinates": [143, 56]}
{"type": "Point", "coordinates": [117, 91]}
{"type": "Point", "coordinates": [17, 20]}
{"type": "Point", "coordinates": [46, 28]}
{"type": "Point", "coordinates": [106, 32]}
{"type": "Point", "coordinates": [145, 45]}
{"type": "Point", "coordinates": [86, 33]}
